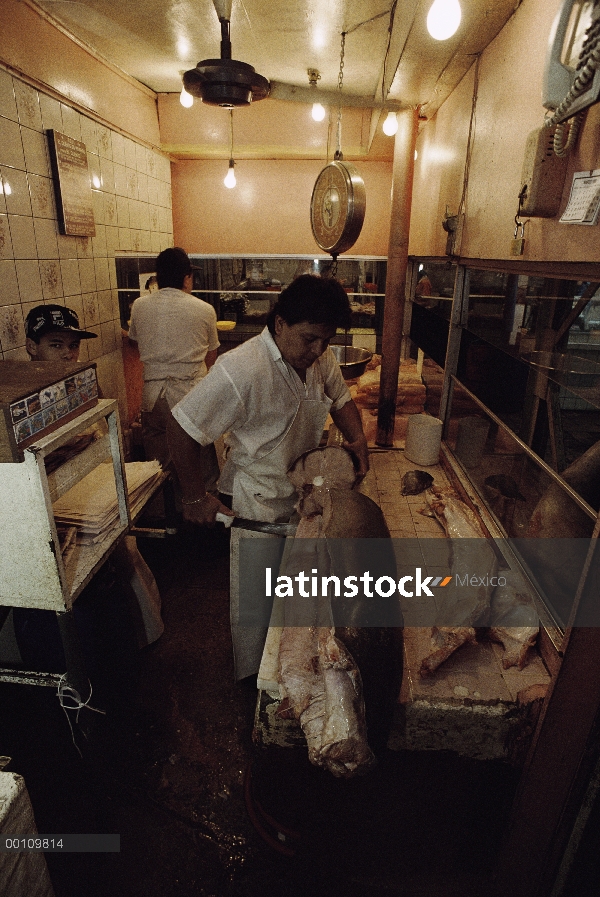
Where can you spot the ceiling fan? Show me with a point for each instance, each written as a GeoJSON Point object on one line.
{"type": "Point", "coordinates": [225, 81]}
{"type": "Point", "coordinates": [229, 83]}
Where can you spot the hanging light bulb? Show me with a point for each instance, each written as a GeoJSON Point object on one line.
{"type": "Point", "coordinates": [390, 125]}
{"type": "Point", "coordinates": [230, 180]}
{"type": "Point", "coordinates": [443, 19]}
{"type": "Point", "coordinates": [185, 98]}
{"type": "Point", "coordinates": [318, 111]}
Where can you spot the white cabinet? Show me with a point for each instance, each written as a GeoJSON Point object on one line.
{"type": "Point", "coordinates": [32, 571]}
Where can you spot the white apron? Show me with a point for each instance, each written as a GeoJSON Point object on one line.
{"type": "Point", "coordinates": [172, 389]}
{"type": "Point", "coordinates": [159, 397]}
{"type": "Point", "coordinates": [262, 491]}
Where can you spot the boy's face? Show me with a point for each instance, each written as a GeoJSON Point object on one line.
{"type": "Point", "coordinates": [57, 346]}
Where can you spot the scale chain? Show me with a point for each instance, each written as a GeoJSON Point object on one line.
{"type": "Point", "coordinates": [338, 153]}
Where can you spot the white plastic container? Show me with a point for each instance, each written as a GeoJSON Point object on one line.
{"type": "Point", "coordinates": [423, 439]}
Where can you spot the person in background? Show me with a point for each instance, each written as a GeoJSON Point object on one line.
{"type": "Point", "coordinates": [424, 292]}
{"type": "Point", "coordinates": [53, 334]}
{"type": "Point", "coordinates": [151, 285]}
{"type": "Point", "coordinates": [176, 334]}
{"type": "Point", "coordinates": [271, 397]}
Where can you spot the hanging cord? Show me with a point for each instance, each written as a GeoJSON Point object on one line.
{"type": "Point", "coordinates": [470, 143]}
{"type": "Point", "coordinates": [338, 152]}
{"type": "Point", "coordinates": [379, 15]}
{"type": "Point", "coordinates": [231, 135]}
{"type": "Point", "coordinates": [392, 14]}
{"type": "Point", "coordinates": [561, 146]}
{"type": "Point", "coordinates": [70, 699]}
{"type": "Point", "coordinates": [591, 50]}
{"type": "Point", "coordinates": [328, 137]}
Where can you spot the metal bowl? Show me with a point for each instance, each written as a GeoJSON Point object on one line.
{"type": "Point", "coordinates": [352, 360]}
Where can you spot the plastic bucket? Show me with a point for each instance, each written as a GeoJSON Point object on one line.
{"type": "Point", "coordinates": [423, 439]}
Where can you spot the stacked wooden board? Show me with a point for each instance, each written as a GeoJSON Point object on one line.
{"type": "Point", "coordinates": [91, 505]}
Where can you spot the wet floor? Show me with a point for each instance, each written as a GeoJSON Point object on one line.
{"type": "Point", "coordinates": [201, 810]}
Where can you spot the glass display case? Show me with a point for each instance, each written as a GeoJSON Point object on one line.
{"type": "Point", "coordinates": [512, 364]}
{"type": "Point", "coordinates": [430, 307]}
{"type": "Point", "coordinates": [530, 351]}
{"type": "Point", "coordinates": [244, 289]}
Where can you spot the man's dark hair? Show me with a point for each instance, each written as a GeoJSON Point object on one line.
{"type": "Point", "coordinates": [318, 300]}
{"type": "Point", "coordinates": [172, 267]}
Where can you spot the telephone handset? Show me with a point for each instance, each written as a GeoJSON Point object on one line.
{"type": "Point", "coordinates": [572, 74]}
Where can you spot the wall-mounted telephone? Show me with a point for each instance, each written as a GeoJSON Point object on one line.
{"type": "Point", "coordinates": [542, 176]}
{"type": "Point", "coordinates": [572, 74]}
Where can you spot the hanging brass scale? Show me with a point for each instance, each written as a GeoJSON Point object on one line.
{"type": "Point", "coordinates": [337, 205]}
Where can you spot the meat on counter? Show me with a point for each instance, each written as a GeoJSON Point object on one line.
{"type": "Point", "coordinates": [319, 665]}
{"type": "Point", "coordinates": [507, 611]}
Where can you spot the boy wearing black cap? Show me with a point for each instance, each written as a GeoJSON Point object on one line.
{"type": "Point", "coordinates": [52, 333]}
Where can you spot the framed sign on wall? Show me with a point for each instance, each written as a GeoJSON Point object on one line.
{"type": "Point", "coordinates": [73, 192]}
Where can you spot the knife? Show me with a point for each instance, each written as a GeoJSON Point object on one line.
{"type": "Point", "coordinates": [257, 526]}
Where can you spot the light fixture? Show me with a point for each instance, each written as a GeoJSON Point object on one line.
{"type": "Point", "coordinates": [225, 81]}
{"type": "Point", "coordinates": [185, 98]}
{"type": "Point", "coordinates": [318, 111]}
{"type": "Point", "coordinates": [443, 19]}
{"type": "Point", "coordinates": [390, 125]}
{"type": "Point", "coordinates": [229, 179]}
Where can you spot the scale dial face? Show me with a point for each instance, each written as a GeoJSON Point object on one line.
{"type": "Point", "coordinates": [337, 207]}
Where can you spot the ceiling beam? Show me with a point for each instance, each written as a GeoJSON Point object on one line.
{"type": "Point", "coordinates": [330, 98]}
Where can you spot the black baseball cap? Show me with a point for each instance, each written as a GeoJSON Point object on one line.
{"type": "Point", "coordinates": [45, 319]}
{"type": "Point", "coordinates": [172, 265]}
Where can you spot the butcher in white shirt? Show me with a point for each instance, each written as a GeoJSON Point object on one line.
{"type": "Point", "coordinates": [270, 398]}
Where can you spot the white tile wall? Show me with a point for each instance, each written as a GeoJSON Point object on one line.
{"type": "Point", "coordinates": [8, 279]}
{"type": "Point", "coordinates": [131, 191]}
